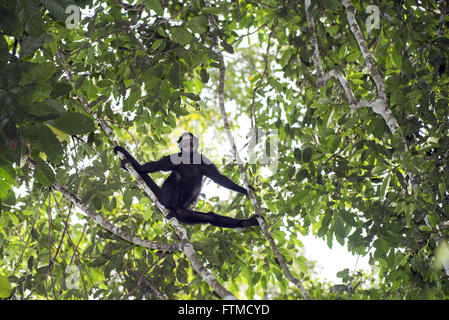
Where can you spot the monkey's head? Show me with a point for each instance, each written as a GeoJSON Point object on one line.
{"type": "Point", "coordinates": [187, 142]}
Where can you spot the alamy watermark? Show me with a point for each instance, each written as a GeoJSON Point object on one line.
{"type": "Point", "coordinates": [372, 22]}
{"type": "Point", "coordinates": [261, 149]}
{"type": "Point", "coordinates": [72, 281]}
{"type": "Point", "coordinates": [74, 19]}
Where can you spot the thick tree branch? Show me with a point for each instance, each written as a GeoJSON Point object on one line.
{"type": "Point", "coordinates": [236, 155]}
{"type": "Point", "coordinates": [186, 246]}
{"type": "Point", "coordinates": [97, 218]}
{"type": "Point", "coordinates": [381, 104]}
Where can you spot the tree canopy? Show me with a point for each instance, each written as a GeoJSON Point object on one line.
{"type": "Point", "coordinates": [353, 95]}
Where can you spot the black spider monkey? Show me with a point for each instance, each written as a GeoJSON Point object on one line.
{"type": "Point", "coordinates": [184, 184]}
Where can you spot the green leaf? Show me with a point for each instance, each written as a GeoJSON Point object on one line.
{"type": "Point", "coordinates": [324, 225]}
{"type": "Point", "coordinates": [180, 35]}
{"type": "Point", "coordinates": [8, 173]}
{"type": "Point", "coordinates": [98, 262]}
{"type": "Point", "coordinates": [4, 50]}
{"type": "Point", "coordinates": [302, 174]}
{"type": "Point", "coordinates": [128, 198]}
{"type": "Point", "coordinates": [227, 47]}
{"type": "Point", "coordinates": [307, 154]}
{"type": "Point", "coordinates": [353, 56]}
{"type": "Point", "coordinates": [49, 143]}
{"type": "Point", "coordinates": [384, 187]}
{"type": "Point", "coordinates": [73, 123]}
{"type": "Point", "coordinates": [297, 154]}
{"type": "Point", "coordinates": [5, 287]}
{"type": "Point", "coordinates": [48, 108]}
{"type": "Point", "coordinates": [343, 273]}
{"type": "Point", "coordinates": [442, 254]}
{"type": "Point", "coordinates": [30, 262]}
{"type": "Point", "coordinates": [41, 92]}
{"type": "Point", "coordinates": [204, 75]}
{"type": "Point", "coordinates": [5, 191]}
{"type": "Point", "coordinates": [31, 44]}
{"type": "Point", "coordinates": [175, 76]}
{"type": "Point", "coordinates": [192, 96]}
{"type": "Point", "coordinates": [198, 24]}
{"type": "Point", "coordinates": [212, 10]}
{"type": "Point", "coordinates": [397, 55]}
{"type": "Point", "coordinates": [378, 170]}
{"type": "Point", "coordinates": [61, 89]}
{"type": "Point", "coordinates": [38, 73]}
{"type": "Point", "coordinates": [155, 5]}
{"type": "Point", "coordinates": [339, 227]}
{"type": "Point", "coordinates": [29, 14]}
{"type": "Point", "coordinates": [44, 173]}
{"type": "Point", "coordinates": [57, 8]}
{"type": "Point", "coordinates": [156, 44]}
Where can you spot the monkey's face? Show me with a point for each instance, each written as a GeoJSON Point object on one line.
{"type": "Point", "coordinates": [188, 144]}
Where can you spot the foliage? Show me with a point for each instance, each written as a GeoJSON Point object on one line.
{"type": "Point", "coordinates": [148, 69]}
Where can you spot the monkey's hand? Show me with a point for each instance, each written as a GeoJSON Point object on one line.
{"type": "Point", "coordinates": [124, 162]}
{"type": "Point", "coordinates": [122, 150]}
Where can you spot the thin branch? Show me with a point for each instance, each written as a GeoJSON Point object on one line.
{"type": "Point", "coordinates": [250, 33]}
{"type": "Point", "coordinates": [442, 19]}
{"type": "Point", "coordinates": [50, 244]}
{"type": "Point", "coordinates": [185, 244]}
{"type": "Point", "coordinates": [221, 82]}
{"type": "Point", "coordinates": [51, 260]}
{"type": "Point", "coordinates": [31, 230]}
{"type": "Point", "coordinates": [380, 105]}
{"type": "Point", "coordinates": [128, 7]}
{"type": "Point", "coordinates": [238, 10]}
{"type": "Point", "coordinates": [97, 218]}
{"type": "Point", "coordinates": [110, 227]}
{"type": "Point", "coordinates": [264, 74]}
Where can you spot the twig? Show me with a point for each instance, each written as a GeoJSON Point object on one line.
{"type": "Point", "coordinates": [128, 7]}
{"type": "Point", "coordinates": [238, 10]}
{"type": "Point", "coordinates": [250, 33]}
{"type": "Point", "coordinates": [51, 259]}
{"type": "Point", "coordinates": [442, 19]}
{"type": "Point", "coordinates": [97, 218]}
{"type": "Point", "coordinates": [32, 227]}
{"type": "Point", "coordinates": [264, 74]}
{"type": "Point", "coordinates": [380, 105]}
{"type": "Point", "coordinates": [221, 82]}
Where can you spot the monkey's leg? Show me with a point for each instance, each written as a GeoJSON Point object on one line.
{"type": "Point", "coordinates": [194, 217]}
{"type": "Point", "coordinates": [151, 184]}
{"type": "Point", "coordinates": [136, 165]}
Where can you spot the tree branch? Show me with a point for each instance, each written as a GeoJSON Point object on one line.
{"type": "Point", "coordinates": [257, 210]}
{"type": "Point", "coordinates": [380, 104]}
{"type": "Point", "coordinates": [97, 218]}
{"type": "Point", "coordinates": [185, 245]}
{"type": "Point", "coordinates": [264, 74]}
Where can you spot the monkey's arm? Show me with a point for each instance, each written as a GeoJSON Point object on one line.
{"type": "Point", "coordinates": [163, 164]}
{"type": "Point", "coordinates": [129, 158]}
{"type": "Point", "coordinates": [212, 172]}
